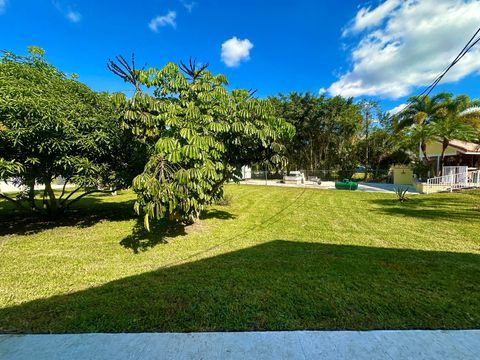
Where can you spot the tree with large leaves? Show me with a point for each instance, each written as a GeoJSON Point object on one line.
{"type": "Point", "coordinates": [202, 135]}
{"type": "Point", "coordinates": [51, 126]}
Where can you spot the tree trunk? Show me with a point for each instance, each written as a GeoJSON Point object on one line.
{"type": "Point", "coordinates": [423, 147]}
{"type": "Point", "coordinates": [445, 144]}
{"type": "Point", "coordinates": [31, 193]}
{"type": "Point", "coordinates": [377, 170]}
{"type": "Point", "coordinates": [311, 154]}
{"type": "Point", "coordinates": [53, 208]}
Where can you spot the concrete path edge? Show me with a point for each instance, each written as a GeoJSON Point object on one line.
{"type": "Point", "coordinates": [379, 344]}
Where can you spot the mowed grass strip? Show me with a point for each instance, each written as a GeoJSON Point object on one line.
{"type": "Point", "coordinates": [272, 259]}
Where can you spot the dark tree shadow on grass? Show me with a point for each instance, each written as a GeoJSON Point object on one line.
{"type": "Point", "coordinates": [452, 206]}
{"type": "Point", "coordinates": [87, 212]}
{"type": "Point", "coordinates": [280, 285]}
{"type": "Point", "coordinates": [163, 230]}
{"type": "Point", "coordinates": [216, 214]}
{"type": "Point", "coordinates": [160, 231]}
{"type": "Point", "coordinates": [91, 210]}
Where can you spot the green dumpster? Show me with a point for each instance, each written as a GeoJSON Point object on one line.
{"type": "Point", "coordinates": [346, 184]}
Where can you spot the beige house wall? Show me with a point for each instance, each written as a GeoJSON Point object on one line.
{"type": "Point", "coordinates": [434, 148]}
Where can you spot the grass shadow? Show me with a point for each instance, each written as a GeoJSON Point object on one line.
{"type": "Point", "coordinates": [160, 231]}
{"type": "Point", "coordinates": [216, 214]}
{"type": "Point", "coordinates": [142, 240]}
{"type": "Point", "coordinates": [93, 209]}
{"type": "Point", "coordinates": [279, 285]}
{"type": "Point", "coordinates": [450, 206]}
{"type": "Point", "coordinates": [87, 212]}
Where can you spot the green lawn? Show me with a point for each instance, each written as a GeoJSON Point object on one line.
{"type": "Point", "coordinates": [273, 259]}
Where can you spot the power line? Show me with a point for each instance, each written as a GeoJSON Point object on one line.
{"type": "Point", "coordinates": [462, 53]}
{"type": "Point", "coordinates": [470, 44]}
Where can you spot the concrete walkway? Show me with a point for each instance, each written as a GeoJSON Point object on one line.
{"type": "Point", "coordinates": [330, 185]}
{"type": "Point", "coordinates": [385, 345]}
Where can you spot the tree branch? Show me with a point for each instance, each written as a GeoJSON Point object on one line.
{"type": "Point", "coordinates": [192, 70]}
{"type": "Point", "coordinates": [88, 193]}
{"type": "Point", "coordinates": [15, 202]}
{"type": "Point", "coordinates": [124, 70]}
{"type": "Point", "coordinates": [44, 200]}
{"type": "Point", "coordinates": [64, 186]}
{"type": "Point", "coordinates": [69, 196]}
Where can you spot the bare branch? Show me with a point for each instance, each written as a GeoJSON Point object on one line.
{"type": "Point", "coordinates": [124, 70]}
{"type": "Point", "coordinates": [251, 93]}
{"type": "Point", "coordinates": [192, 70]}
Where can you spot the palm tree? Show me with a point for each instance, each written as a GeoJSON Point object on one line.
{"type": "Point", "coordinates": [450, 123]}
{"type": "Point", "coordinates": [471, 116]}
{"type": "Point", "coordinates": [422, 109]}
{"type": "Point", "coordinates": [415, 120]}
{"type": "Point", "coordinates": [420, 133]}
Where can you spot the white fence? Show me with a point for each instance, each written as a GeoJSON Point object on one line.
{"type": "Point", "coordinates": [454, 181]}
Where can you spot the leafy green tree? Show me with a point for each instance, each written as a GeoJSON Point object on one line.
{"type": "Point", "coordinates": [379, 145]}
{"type": "Point", "coordinates": [451, 128]}
{"type": "Point", "coordinates": [327, 131]}
{"type": "Point", "coordinates": [384, 149]}
{"type": "Point", "coordinates": [371, 112]}
{"type": "Point", "coordinates": [53, 126]}
{"type": "Point", "coordinates": [202, 133]}
{"type": "Point", "coordinates": [302, 111]}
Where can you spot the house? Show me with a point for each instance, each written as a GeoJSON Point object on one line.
{"type": "Point", "coordinates": [458, 153]}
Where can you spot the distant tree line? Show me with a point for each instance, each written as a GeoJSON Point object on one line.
{"type": "Point", "coordinates": [338, 134]}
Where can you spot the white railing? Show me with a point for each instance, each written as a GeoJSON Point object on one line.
{"type": "Point", "coordinates": [454, 181]}
{"type": "Point", "coordinates": [449, 170]}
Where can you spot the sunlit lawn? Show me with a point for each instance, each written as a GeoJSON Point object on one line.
{"type": "Point", "coordinates": [274, 259]}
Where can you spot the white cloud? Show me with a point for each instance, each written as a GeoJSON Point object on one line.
{"type": "Point", "coordinates": [189, 5]}
{"type": "Point", "coordinates": [235, 50]}
{"type": "Point", "coordinates": [74, 16]}
{"type": "Point", "coordinates": [407, 44]}
{"type": "Point", "coordinates": [66, 9]}
{"type": "Point", "coordinates": [322, 91]}
{"type": "Point", "coordinates": [397, 109]}
{"type": "Point", "coordinates": [3, 5]}
{"type": "Point", "coordinates": [367, 18]}
{"type": "Point", "coordinates": [166, 20]}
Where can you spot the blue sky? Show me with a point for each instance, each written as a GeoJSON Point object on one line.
{"type": "Point", "coordinates": [385, 50]}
